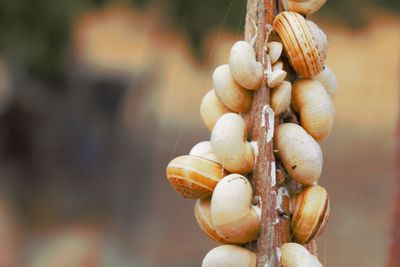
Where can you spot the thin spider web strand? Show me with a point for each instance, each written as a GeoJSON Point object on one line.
{"type": "Point", "coordinates": [204, 69]}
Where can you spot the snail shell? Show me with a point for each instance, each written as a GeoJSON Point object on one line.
{"type": "Point", "coordinates": [203, 150]}
{"type": "Point", "coordinates": [232, 213]}
{"type": "Point", "coordinates": [295, 255]}
{"type": "Point", "coordinates": [305, 44]}
{"type": "Point", "coordinates": [310, 213]}
{"type": "Point", "coordinates": [275, 78]}
{"type": "Point", "coordinates": [328, 80]}
{"type": "Point", "coordinates": [211, 109]}
{"type": "Point", "coordinates": [244, 67]}
{"type": "Point", "coordinates": [231, 94]}
{"type": "Point", "coordinates": [229, 144]}
{"type": "Point", "coordinates": [305, 7]}
{"type": "Point", "coordinates": [315, 106]}
{"type": "Point", "coordinates": [274, 50]}
{"type": "Point", "coordinates": [194, 177]}
{"type": "Point", "coordinates": [299, 152]}
{"type": "Point", "coordinates": [277, 66]}
{"type": "Point", "coordinates": [202, 212]}
{"type": "Point", "coordinates": [229, 256]}
{"type": "Point", "coordinates": [281, 97]}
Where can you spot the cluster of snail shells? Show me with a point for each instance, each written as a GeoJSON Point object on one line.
{"type": "Point", "coordinates": [213, 171]}
{"type": "Point", "coordinates": [311, 96]}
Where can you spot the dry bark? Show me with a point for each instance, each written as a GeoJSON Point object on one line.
{"type": "Point", "coordinates": [269, 188]}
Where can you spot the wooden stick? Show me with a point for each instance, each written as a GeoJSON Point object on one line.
{"type": "Point", "coordinates": [271, 191]}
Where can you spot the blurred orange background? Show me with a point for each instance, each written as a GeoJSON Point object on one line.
{"type": "Point", "coordinates": [83, 158]}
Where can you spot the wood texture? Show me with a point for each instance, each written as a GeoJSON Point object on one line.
{"type": "Point", "coordinates": [271, 187]}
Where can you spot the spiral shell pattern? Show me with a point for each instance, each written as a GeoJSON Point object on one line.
{"type": "Point", "coordinates": [304, 42]}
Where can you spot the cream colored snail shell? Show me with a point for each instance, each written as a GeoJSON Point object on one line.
{"type": "Point", "coordinates": [310, 213]}
{"type": "Point", "coordinates": [229, 256]}
{"type": "Point", "coordinates": [228, 142]}
{"type": "Point", "coordinates": [295, 255]}
{"type": "Point", "coordinates": [277, 66]}
{"type": "Point", "coordinates": [305, 44]}
{"type": "Point", "coordinates": [281, 97]}
{"type": "Point", "coordinates": [203, 149]}
{"type": "Point", "coordinates": [328, 80]}
{"type": "Point", "coordinates": [274, 50]}
{"type": "Point", "coordinates": [231, 94]}
{"type": "Point", "coordinates": [275, 78]}
{"type": "Point", "coordinates": [299, 152]}
{"type": "Point", "coordinates": [211, 109]}
{"type": "Point", "coordinates": [245, 69]}
{"type": "Point", "coordinates": [202, 212]}
{"type": "Point", "coordinates": [194, 177]}
{"type": "Point", "coordinates": [232, 213]}
{"type": "Point", "coordinates": [304, 7]}
{"type": "Point", "coordinates": [315, 106]}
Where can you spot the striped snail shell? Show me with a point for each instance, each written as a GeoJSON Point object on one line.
{"type": "Point", "coordinates": [193, 176]}
{"type": "Point", "coordinates": [304, 42]}
{"type": "Point", "coordinates": [202, 212]}
{"type": "Point", "coordinates": [310, 213]}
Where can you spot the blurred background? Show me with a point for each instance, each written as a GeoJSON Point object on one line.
{"type": "Point", "coordinates": [97, 96]}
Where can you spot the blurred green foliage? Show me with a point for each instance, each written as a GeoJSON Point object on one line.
{"type": "Point", "coordinates": [197, 18]}
{"type": "Point", "coordinates": [37, 32]}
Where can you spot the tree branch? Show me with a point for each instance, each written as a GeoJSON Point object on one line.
{"type": "Point", "coordinates": [272, 190]}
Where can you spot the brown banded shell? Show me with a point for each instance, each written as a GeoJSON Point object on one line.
{"type": "Point", "coordinates": [310, 213]}
{"type": "Point", "coordinates": [194, 177]}
{"type": "Point", "coordinates": [202, 212]}
{"type": "Point", "coordinates": [304, 42]}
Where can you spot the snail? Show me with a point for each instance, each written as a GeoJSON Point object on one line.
{"type": "Point", "coordinates": [229, 256]}
{"type": "Point", "coordinates": [277, 66]}
{"type": "Point", "coordinates": [328, 80]}
{"type": "Point", "coordinates": [203, 149]}
{"type": "Point", "coordinates": [299, 152]}
{"type": "Point", "coordinates": [295, 255]}
{"type": "Point", "coordinates": [275, 78]}
{"type": "Point", "coordinates": [231, 94]}
{"type": "Point", "coordinates": [304, 7]}
{"type": "Point", "coordinates": [281, 97]}
{"type": "Point", "coordinates": [310, 213]}
{"type": "Point", "coordinates": [245, 69]}
{"type": "Point", "coordinates": [228, 142]}
{"type": "Point", "coordinates": [274, 50]}
{"type": "Point", "coordinates": [202, 212]}
{"type": "Point", "coordinates": [211, 109]}
{"type": "Point", "coordinates": [232, 213]}
{"type": "Point", "coordinates": [304, 42]}
{"type": "Point", "coordinates": [195, 175]}
{"type": "Point", "coordinates": [315, 106]}
{"type": "Point", "coordinates": [213, 171]}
